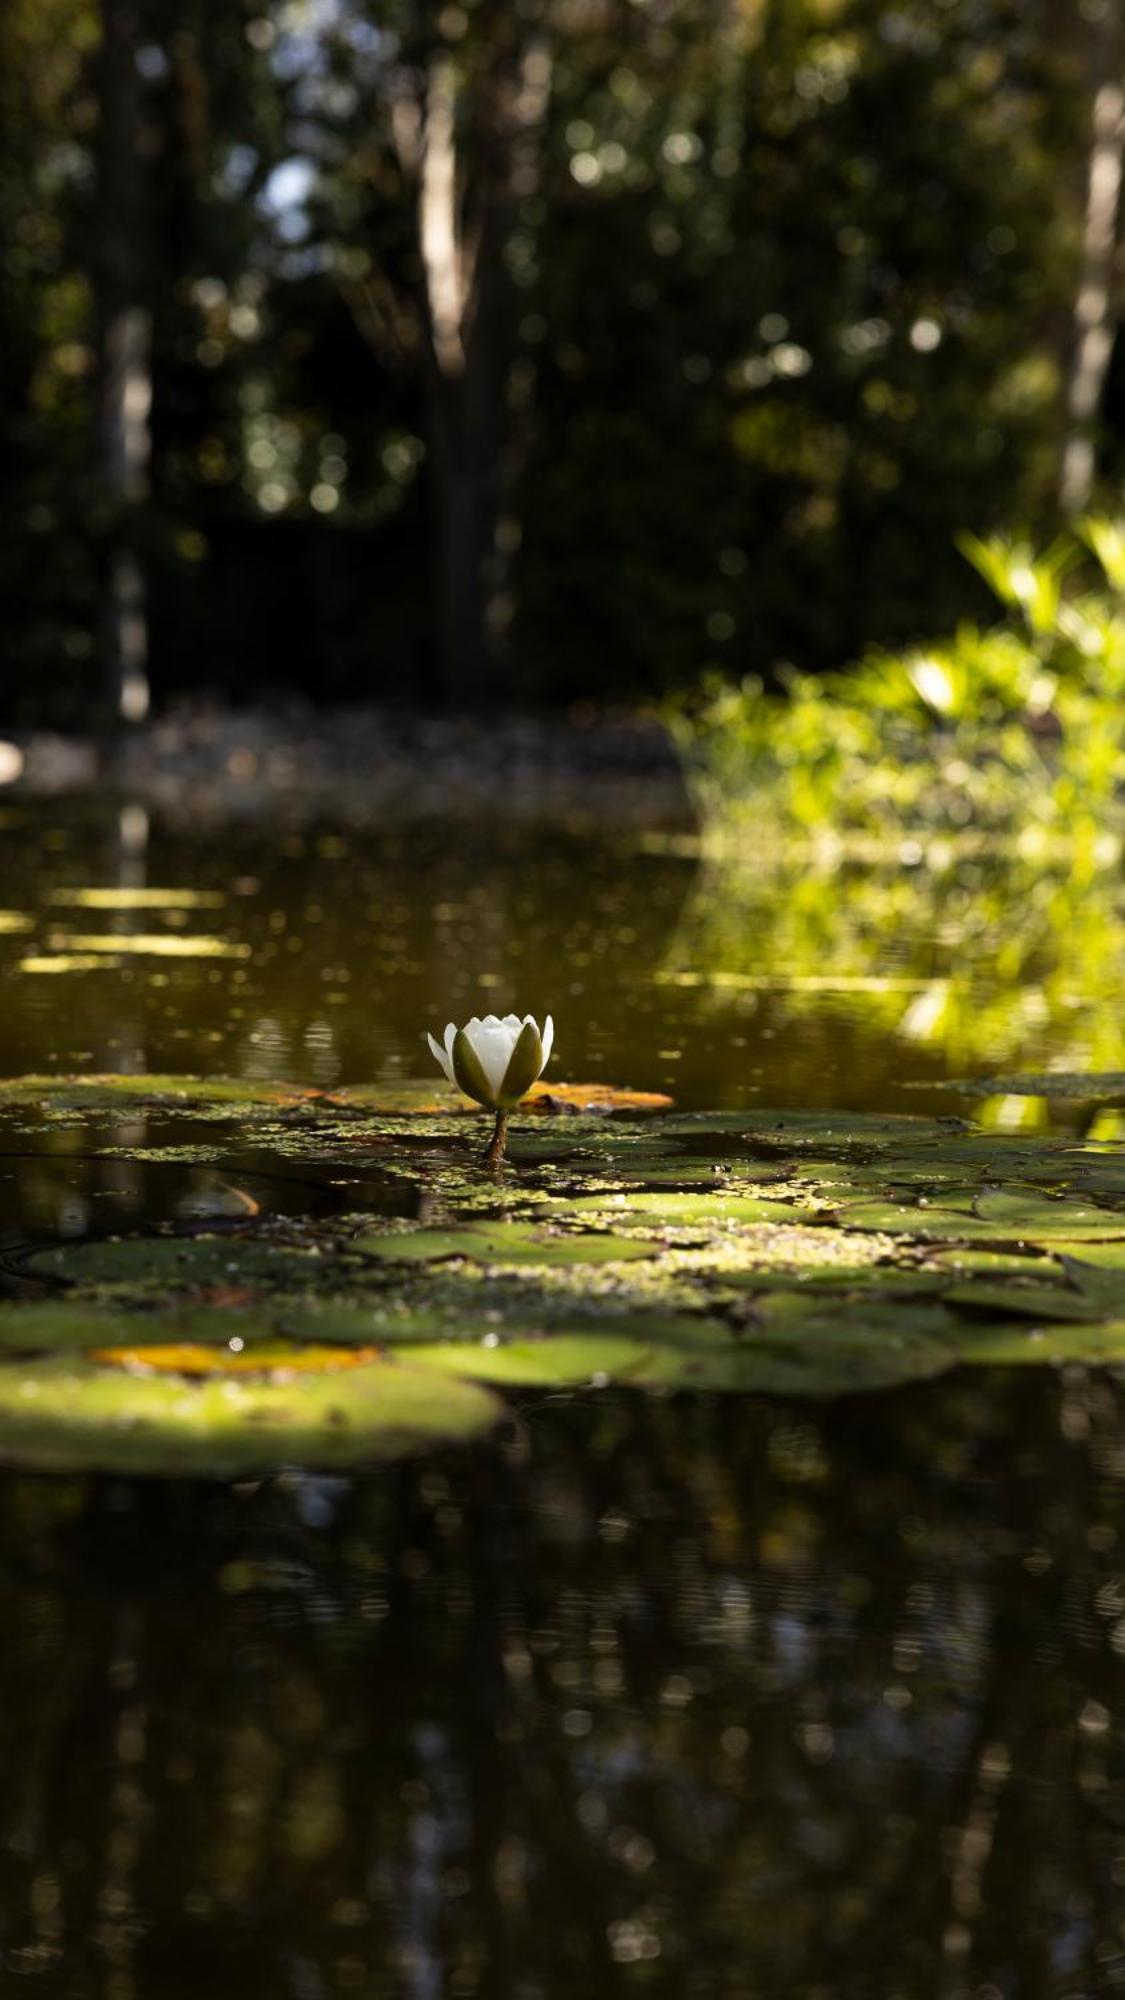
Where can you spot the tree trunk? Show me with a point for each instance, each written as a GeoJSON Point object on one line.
{"type": "Point", "coordinates": [124, 364]}
{"type": "Point", "coordinates": [1094, 323]}
{"type": "Point", "coordinates": [466, 419]}
{"type": "Point", "coordinates": [468, 199]}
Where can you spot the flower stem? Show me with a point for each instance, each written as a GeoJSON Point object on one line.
{"type": "Point", "coordinates": [494, 1157]}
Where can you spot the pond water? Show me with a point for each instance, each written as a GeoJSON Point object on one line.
{"type": "Point", "coordinates": [714, 1697]}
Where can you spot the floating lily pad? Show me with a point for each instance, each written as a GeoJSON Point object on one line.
{"type": "Point", "coordinates": [500, 1243]}
{"type": "Point", "coordinates": [273, 1357]}
{"type": "Point", "coordinates": [1084, 1259]}
{"type": "Point", "coordinates": [786, 1254]}
{"type": "Point", "coordinates": [1085, 1085]}
{"type": "Point", "coordinates": [60, 1325]}
{"type": "Point", "coordinates": [929, 1220]}
{"type": "Point", "coordinates": [426, 1097]}
{"type": "Point", "coordinates": [116, 1096]}
{"type": "Point", "coordinates": [873, 1280]}
{"type": "Point", "coordinates": [1038, 1218]}
{"type": "Point", "coordinates": [1101, 1343]}
{"type": "Point", "coordinates": [547, 1097]}
{"type": "Point", "coordinates": [792, 1352]}
{"type": "Point", "coordinates": [656, 1209]}
{"type": "Point", "coordinates": [181, 1263]}
{"type": "Point", "coordinates": [1015, 1301]}
{"type": "Point", "coordinates": [70, 1414]}
{"type": "Point", "coordinates": [384, 1319]}
{"type": "Point", "coordinates": [994, 1266]}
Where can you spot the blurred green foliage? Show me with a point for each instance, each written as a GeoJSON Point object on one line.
{"type": "Point", "coordinates": [941, 827]}
{"type": "Point", "coordinates": [778, 296]}
{"type": "Point", "coordinates": [1003, 740]}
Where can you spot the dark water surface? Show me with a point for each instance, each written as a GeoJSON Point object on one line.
{"type": "Point", "coordinates": [323, 956]}
{"type": "Point", "coordinates": [697, 1697]}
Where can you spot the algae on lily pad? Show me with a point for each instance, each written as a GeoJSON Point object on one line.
{"type": "Point", "coordinates": [784, 1254]}
{"type": "Point", "coordinates": [500, 1242]}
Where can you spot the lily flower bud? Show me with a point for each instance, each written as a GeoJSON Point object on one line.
{"type": "Point", "coordinates": [495, 1062]}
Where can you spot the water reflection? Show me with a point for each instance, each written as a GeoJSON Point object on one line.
{"type": "Point", "coordinates": [713, 1699]}
{"type": "Point", "coordinates": [689, 1698]}
{"type": "Point", "coordinates": [322, 957]}
{"type": "Point", "coordinates": [86, 1182]}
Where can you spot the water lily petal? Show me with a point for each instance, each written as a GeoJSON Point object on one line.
{"type": "Point", "coordinates": [440, 1056]}
{"type": "Point", "coordinates": [548, 1039]}
{"type": "Point", "coordinates": [494, 1061]}
{"type": "Point", "coordinates": [492, 1044]}
{"type": "Point", "coordinates": [469, 1071]}
{"type": "Point", "coordinates": [524, 1064]}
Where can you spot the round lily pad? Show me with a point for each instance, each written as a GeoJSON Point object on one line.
{"type": "Point", "coordinates": [428, 1097]}
{"type": "Point", "coordinates": [814, 1356]}
{"type": "Point", "coordinates": [656, 1208]}
{"type": "Point", "coordinates": [1049, 1343]}
{"type": "Point", "coordinates": [181, 1262]}
{"type": "Point", "coordinates": [114, 1096]}
{"type": "Point", "coordinates": [1039, 1218]}
{"type": "Point", "coordinates": [1085, 1085]}
{"type": "Point", "coordinates": [70, 1414]}
{"type": "Point", "coordinates": [1015, 1301]}
{"type": "Point", "coordinates": [500, 1243]}
{"type": "Point", "coordinates": [51, 1326]}
{"type": "Point", "coordinates": [641, 1253]}
{"type": "Point", "coordinates": [931, 1220]}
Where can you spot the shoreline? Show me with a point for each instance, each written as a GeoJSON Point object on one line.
{"type": "Point", "coordinates": [365, 763]}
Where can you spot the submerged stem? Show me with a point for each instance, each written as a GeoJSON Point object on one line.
{"type": "Point", "coordinates": [495, 1155]}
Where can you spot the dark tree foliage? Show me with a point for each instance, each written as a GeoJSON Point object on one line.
{"type": "Point", "coordinates": [568, 349]}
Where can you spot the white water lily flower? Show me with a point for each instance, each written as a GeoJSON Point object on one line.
{"type": "Point", "coordinates": [495, 1062]}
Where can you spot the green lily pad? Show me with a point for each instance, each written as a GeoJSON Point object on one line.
{"type": "Point", "coordinates": [182, 1263]}
{"type": "Point", "coordinates": [1038, 1218]}
{"type": "Point", "coordinates": [787, 1254]}
{"type": "Point", "coordinates": [133, 1095]}
{"type": "Point", "coordinates": [657, 1209]}
{"type": "Point", "coordinates": [930, 1220]}
{"type": "Point", "coordinates": [1014, 1301]}
{"type": "Point", "coordinates": [994, 1266]}
{"type": "Point", "coordinates": [67, 1414]}
{"type": "Point", "coordinates": [802, 1355]}
{"type": "Point", "coordinates": [60, 1325]}
{"type": "Point", "coordinates": [873, 1280]}
{"type": "Point", "coordinates": [1086, 1085]}
{"type": "Point", "coordinates": [997, 1215]}
{"type": "Point", "coordinates": [500, 1243]}
{"type": "Point", "coordinates": [1100, 1344]}
{"type": "Point", "coordinates": [1093, 1263]}
{"type": "Point", "coordinates": [425, 1097]}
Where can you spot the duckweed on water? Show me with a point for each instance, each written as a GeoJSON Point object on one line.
{"type": "Point", "coordinates": [774, 1253]}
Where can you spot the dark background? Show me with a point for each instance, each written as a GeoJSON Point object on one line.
{"type": "Point", "coordinates": [555, 351]}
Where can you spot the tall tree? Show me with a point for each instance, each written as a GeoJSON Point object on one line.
{"type": "Point", "coordinates": [1100, 32]}
{"type": "Point", "coordinates": [465, 115]}
{"type": "Point", "coordinates": [123, 336]}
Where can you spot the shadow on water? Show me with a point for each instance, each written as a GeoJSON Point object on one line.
{"type": "Point", "coordinates": [699, 1697]}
